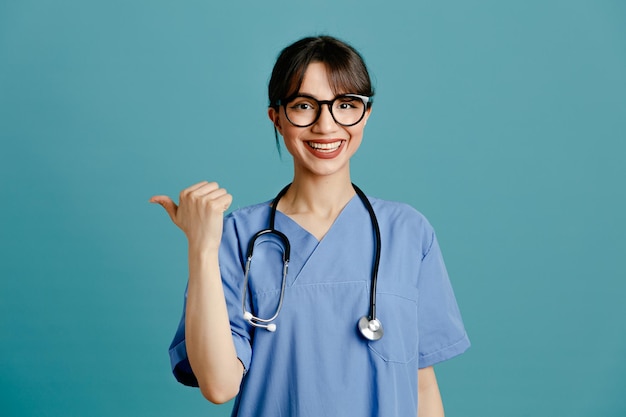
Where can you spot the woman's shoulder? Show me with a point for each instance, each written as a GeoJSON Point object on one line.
{"type": "Point", "coordinates": [249, 214]}
{"type": "Point", "coordinates": [243, 222]}
{"type": "Point", "coordinates": [398, 211]}
{"type": "Point", "coordinates": [250, 210]}
{"type": "Point", "coordinates": [404, 223]}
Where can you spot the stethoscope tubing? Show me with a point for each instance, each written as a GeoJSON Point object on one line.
{"type": "Point", "coordinates": [249, 253]}
{"type": "Point", "coordinates": [376, 228]}
{"type": "Point", "coordinates": [370, 326]}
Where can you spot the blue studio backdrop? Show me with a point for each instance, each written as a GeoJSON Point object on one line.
{"type": "Point", "coordinates": [503, 122]}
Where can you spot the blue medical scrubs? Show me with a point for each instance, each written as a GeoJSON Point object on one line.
{"type": "Point", "coordinates": [316, 362]}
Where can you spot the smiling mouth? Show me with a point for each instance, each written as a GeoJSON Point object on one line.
{"type": "Point", "coordinates": [325, 147]}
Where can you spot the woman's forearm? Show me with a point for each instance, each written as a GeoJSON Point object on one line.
{"type": "Point", "coordinates": [429, 402]}
{"type": "Point", "coordinates": [208, 337]}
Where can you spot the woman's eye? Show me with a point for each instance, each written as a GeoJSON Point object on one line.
{"type": "Point", "coordinates": [302, 106]}
{"type": "Point", "coordinates": [346, 105]}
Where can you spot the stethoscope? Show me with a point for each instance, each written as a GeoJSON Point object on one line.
{"type": "Point", "coordinates": [370, 327]}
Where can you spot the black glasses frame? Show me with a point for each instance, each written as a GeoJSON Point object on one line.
{"type": "Point", "coordinates": [367, 103]}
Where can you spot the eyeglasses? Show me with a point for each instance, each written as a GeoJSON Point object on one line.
{"type": "Point", "coordinates": [346, 109]}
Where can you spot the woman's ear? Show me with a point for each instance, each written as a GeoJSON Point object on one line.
{"type": "Point", "coordinates": [274, 116]}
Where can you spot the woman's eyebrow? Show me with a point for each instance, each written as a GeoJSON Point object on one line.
{"type": "Point", "coordinates": [303, 93]}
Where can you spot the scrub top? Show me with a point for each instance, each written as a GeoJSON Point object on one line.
{"type": "Point", "coordinates": [316, 362]}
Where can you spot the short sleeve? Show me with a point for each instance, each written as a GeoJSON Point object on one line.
{"type": "Point", "coordinates": [231, 269]}
{"type": "Point", "coordinates": [441, 332]}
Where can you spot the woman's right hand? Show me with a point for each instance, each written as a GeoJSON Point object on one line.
{"type": "Point", "coordinates": [209, 342]}
{"type": "Point", "coordinates": [199, 213]}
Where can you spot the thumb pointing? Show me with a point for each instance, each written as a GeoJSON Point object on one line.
{"type": "Point", "coordinates": [167, 204]}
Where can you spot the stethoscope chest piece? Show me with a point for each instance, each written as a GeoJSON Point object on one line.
{"type": "Point", "coordinates": [371, 329]}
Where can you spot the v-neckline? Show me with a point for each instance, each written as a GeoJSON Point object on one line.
{"type": "Point", "coordinates": [304, 230]}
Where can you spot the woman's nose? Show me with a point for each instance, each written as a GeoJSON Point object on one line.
{"type": "Point", "coordinates": [326, 122]}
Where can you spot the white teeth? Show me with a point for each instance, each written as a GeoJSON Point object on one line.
{"type": "Point", "coordinates": [325, 146]}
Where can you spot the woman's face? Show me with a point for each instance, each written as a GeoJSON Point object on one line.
{"type": "Point", "coordinates": [325, 147]}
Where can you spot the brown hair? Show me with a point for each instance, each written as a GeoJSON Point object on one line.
{"type": "Point", "coordinates": [346, 68]}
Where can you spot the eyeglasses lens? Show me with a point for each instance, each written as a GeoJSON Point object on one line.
{"type": "Point", "coordinates": [346, 110]}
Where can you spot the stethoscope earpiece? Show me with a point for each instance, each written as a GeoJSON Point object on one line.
{"type": "Point", "coordinates": [256, 322]}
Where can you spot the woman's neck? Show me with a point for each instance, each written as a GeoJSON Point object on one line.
{"type": "Point", "coordinates": [320, 197]}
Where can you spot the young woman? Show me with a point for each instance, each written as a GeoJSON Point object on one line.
{"type": "Point", "coordinates": [321, 302]}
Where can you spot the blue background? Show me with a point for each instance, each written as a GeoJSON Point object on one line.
{"type": "Point", "coordinates": [503, 122]}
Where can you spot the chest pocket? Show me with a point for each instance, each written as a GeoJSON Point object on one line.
{"type": "Point", "coordinates": [397, 311]}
